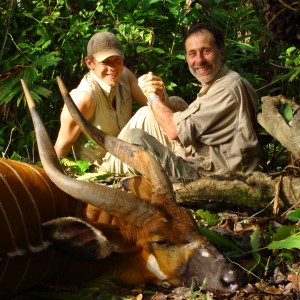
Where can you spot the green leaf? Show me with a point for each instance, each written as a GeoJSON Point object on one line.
{"type": "Point", "coordinates": [55, 15]}
{"type": "Point", "coordinates": [290, 49]}
{"type": "Point", "coordinates": [40, 90]}
{"type": "Point", "coordinates": [9, 89]}
{"type": "Point", "coordinates": [295, 74]}
{"type": "Point", "coordinates": [254, 239]}
{"type": "Point", "coordinates": [288, 243]}
{"type": "Point", "coordinates": [46, 44]}
{"type": "Point", "coordinates": [257, 259]}
{"type": "Point", "coordinates": [158, 50]}
{"type": "Point", "coordinates": [16, 156]}
{"type": "Point", "coordinates": [287, 112]}
{"type": "Point", "coordinates": [83, 165]}
{"type": "Point", "coordinates": [47, 60]}
{"type": "Point", "coordinates": [287, 255]}
{"type": "Point", "coordinates": [148, 37]}
{"type": "Point", "coordinates": [284, 232]}
{"type": "Point", "coordinates": [219, 239]}
{"type": "Point", "coordinates": [67, 162]}
{"type": "Point", "coordinates": [208, 217]}
{"type": "Point", "coordinates": [29, 15]}
{"type": "Point", "coordinates": [25, 46]}
{"type": "Point", "coordinates": [180, 56]}
{"type": "Point", "coordinates": [140, 49]}
{"type": "Point", "coordinates": [294, 215]}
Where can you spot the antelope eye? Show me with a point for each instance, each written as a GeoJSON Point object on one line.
{"type": "Point", "coordinates": [161, 243]}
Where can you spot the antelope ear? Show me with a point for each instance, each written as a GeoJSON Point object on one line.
{"type": "Point", "coordinates": [139, 185]}
{"type": "Point", "coordinates": [75, 237]}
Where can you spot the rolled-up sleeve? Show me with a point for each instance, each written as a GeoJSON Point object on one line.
{"type": "Point", "coordinates": [210, 119]}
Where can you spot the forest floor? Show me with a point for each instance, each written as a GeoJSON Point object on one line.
{"type": "Point", "coordinates": [279, 286]}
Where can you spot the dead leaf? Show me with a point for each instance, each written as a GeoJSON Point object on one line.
{"type": "Point", "coordinates": [295, 280]}
{"type": "Point", "coordinates": [270, 289]}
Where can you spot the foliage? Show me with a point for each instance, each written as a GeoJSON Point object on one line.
{"type": "Point", "coordinates": [71, 167]}
{"type": "Point", "coordinates": [43, 39]}
{"type": "Point", "coordinates": [288, 237]}
{"type": "Point", "coordinates": [207, 217]}
{"type": "Point", "coordinates": [233, 250]}
{"type": "Point", "coordinates": [282, 238]}
{"type": "Point", "coordinates": [292, 241]}
{"type": "Point", "coordinates": [82, 170]}
{"type": "Point", "coordinates": [294, 215]}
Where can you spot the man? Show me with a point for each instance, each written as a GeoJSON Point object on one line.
{"type": "Point", "coordinates": [217, 133]}
{"type": "Point", "coordinates": [104, 96]}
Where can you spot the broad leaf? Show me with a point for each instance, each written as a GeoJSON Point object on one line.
{"type": "Point", "coordinates": [294, 215]}
{"type": "Point", "coordinates": [255, 239]}
{"type": "Point", "coordinates": [288, 243]}
{"type": "Point", "coordinates": [284, 232]}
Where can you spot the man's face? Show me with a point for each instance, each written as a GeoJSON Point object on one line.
{"type": "Point", "coordinates": [204, 58]}
{"type": "Point", "coordinates": [108, 70]}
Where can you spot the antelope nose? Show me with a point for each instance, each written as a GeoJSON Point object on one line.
{"type": "Point", "coordinates": [229, 276]}
{"type": "Point", "coordinates": [232, 279]}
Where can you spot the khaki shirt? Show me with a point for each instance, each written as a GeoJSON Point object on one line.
{"type": "Point", "coordinates": [108, 116]}
{"type": "Point", "coordinates": [217, 133]}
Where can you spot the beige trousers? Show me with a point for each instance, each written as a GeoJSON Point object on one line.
{"type": "Point", "coordinates": [143, 130]}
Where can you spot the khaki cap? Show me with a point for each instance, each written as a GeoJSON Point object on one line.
{"type": "Point", "coordinates": [103, 45]}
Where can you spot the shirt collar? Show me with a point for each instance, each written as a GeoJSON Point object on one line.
{"type": "Point", "coordinates": [223, 71]}
{"type": "Point", "coordinates": [107, 89]}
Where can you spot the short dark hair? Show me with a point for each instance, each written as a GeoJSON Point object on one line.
{"type": "Point", "coordinates": [218, 35]}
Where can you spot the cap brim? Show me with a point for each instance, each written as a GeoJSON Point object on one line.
{"type": "Point", "coordinates": [101, 56]}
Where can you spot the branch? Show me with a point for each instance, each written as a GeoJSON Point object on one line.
{"type": "Point", "coordinates": [273, 122]}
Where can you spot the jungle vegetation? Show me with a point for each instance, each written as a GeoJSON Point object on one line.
{"type": "Point", "coordinates": [41, 40]}
{"type": "Point", "coordinates": [44, 39]}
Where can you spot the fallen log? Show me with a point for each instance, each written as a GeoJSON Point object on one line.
{"type": "Point", "coordinates": [238, 191]}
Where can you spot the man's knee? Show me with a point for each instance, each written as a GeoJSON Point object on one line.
{"type": "Point", "coordinates": [177, 103]}
{"type": "Point", "coordinates": [143, 112]}
{"type": "Point", "coordinates": [134, 136]}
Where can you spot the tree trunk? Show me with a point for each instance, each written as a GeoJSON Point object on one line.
{"type": "Point", "coordinates": [283, 19]}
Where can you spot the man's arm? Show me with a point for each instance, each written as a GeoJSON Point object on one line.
{"type": "Point", "coordinates": [153, 87]}
{"type": "Point", "coordinates": [136, 91]}
{"type": "Point", "coordinates": [164, 116]}
{"type": "Point", "coordinates": [69, 130]}
{"type": "Point", "coordinates": [138, 94]}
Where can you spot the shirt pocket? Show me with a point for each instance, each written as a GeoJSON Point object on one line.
{"type": "Point", "coordinates": [182, 115]}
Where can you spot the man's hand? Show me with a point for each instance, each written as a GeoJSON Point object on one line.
{"type": "Point", "coordinates": [153, 88]}
{"type": "Point", "coordinates": [152, 85]}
